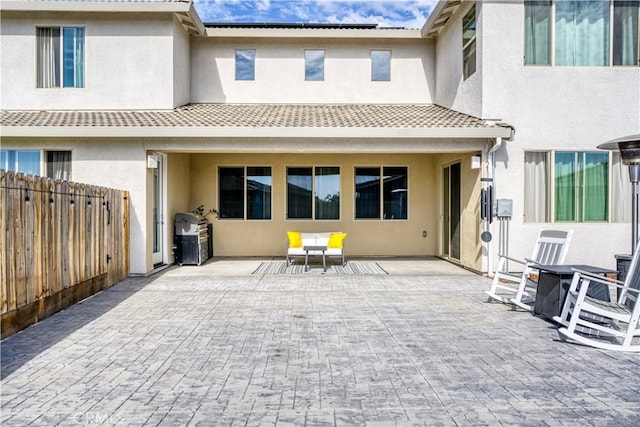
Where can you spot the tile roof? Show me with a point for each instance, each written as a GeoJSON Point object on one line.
{"type": "Point", "coordinates": [255, 116]}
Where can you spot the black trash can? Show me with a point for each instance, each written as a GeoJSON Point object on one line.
{"type": "Point", "coordinates": [191, 239]}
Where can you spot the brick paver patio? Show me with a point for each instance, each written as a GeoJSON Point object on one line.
{"type": "Point", "coordinates": [182, 348]}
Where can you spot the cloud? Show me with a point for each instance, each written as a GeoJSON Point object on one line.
{"type": "Point", "coordinates": [387, 13]}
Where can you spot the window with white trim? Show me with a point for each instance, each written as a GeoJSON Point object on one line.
{"type": "Point", "coordinates": [314, 65]}
{"type": "Point", "coordinates": [574, 186]}
{"type": "Point", "coordinates": [57, 164]}
{"type": "Point", "coordinates": [582, 33]}
{"type": "Point", "coordinates": [469, 43]}
{"type": "Point", "coordinates": [380, 65]}
{"type": "Point", "coordinates": [60, 57]}
{"type": "Point", "coordinates": [245, 64]}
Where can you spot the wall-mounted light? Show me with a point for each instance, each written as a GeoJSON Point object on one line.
{"type": "Point", "coordinates": [476, 161]}
{"type": "Point", "coordinates": [152, 161]}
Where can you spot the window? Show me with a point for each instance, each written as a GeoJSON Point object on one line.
{"type": "Point", "coordinates": [380, 65]}
{"type": "Point", "coordinates": [537, 32]}
{"type": "Point", "coordinates": [60, 51]}
{"type": "Point", "coordinates": [576, 181]}
{"type": "Point", "coordinates": [314, 65]}
{"type": "Point", "coordinates": [583, 32]}
{"type": "Point", "coordinates": [25, 161]}
{"type": "Point", "coordinates": [469, 43]}
{"type": "Point", "coordinates": [384, 193]}
{"type": "Point", "coordinates": [581, 184]}
{"type": "Point", "coordinates": [306, 184]}
{"type": "Point", "coordinates": [245, 64]}
{"type": "Point", "coordinates": [235, 190]}
{"type": "Point", "coordinates": [57, 163]}
{"type": "Point", "coordinates": [625, 32]}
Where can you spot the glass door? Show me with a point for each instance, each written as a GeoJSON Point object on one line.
{"type": "Point", "coordinates": [158, 213]}
{"type": "Point", "coordinates": [451, 211]}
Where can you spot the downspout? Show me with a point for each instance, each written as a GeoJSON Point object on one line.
{"type": "Point", "coordinates": [490, 171]}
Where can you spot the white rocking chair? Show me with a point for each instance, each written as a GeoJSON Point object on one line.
{"type": "Point", "coordinates": [603, 324]}
{"type": "Point", "coordinates": [550, 249]}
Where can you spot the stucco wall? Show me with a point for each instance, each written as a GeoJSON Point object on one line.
{"type": "Point", "coordinates": [178, 183]}
{"type": "Point", "coordinates": [366, 237]}
{"type": "Point", "coordinates": [560, 108]}
{"type": "Point", "coordinates": [452, 91]}
{"type": "Point", "coordinates": [181, 65]}
{"type": "Point", "coordinates": [279, 72]}
{"type": "Point", "coordinates": [128, 55]}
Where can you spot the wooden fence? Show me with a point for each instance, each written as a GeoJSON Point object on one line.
{"type": "Point", "coordinates": [60, 242]}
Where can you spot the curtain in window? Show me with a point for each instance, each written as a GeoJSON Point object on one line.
{"type": "Point", "coordinates": [536, 187]}
{"type": "Point", "coordinates": [625, 33]}
{"type": "Point", "coordinates": [620, 190]}
{"type": "Point", "coordinates": [48, 57]}
{"type": "Point", "coordinates": [327, 192]}
{"type": "Point", "coordinates": [258, 193]}
{"type": "Point", "coordinates": [299, 193]}
{"type": "Point", "coordinates": [565, 187]}
{"type": "Point", "coordinates": [596, 177]}
{"type": "Point", "coordinates": [582, 32]}
{"type": "Point", "coordinates": [537, 17]}
{"type": "Point", "coordinates": [59, 165]}
{"type": "Point", "coordinates": [73, 57]}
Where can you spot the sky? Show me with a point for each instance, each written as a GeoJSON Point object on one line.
{"type": "Point", "coordinates": [385, 13]}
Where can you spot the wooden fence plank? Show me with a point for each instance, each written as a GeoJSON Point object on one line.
{"type": "Point", "coordinates": [4, 229]}
{"type": "Point", "coordinates": [19, 241]}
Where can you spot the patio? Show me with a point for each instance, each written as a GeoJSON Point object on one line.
{"type": "Point", "coordinates": [216, 345]}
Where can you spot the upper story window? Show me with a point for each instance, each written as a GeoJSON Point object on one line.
{"type": "Point", "coordinates": [306, 185]}
{"type": "Point", "coordinates": [60, 52]}
{"type": "Point", "coordinates": [243, 188]}
{"type": "Point", "coordinates": [381, 190]}
{"type": "Point", "coordinates": [245, 64]}
{"type": "Point", "coordinates": [314, 65]}
{"type": "Point", "coordinates": [574, 186]}
{"type": "Point", "coordinates": [469, 43]}
{"type": "Point", "coordinates": [380, 65]}
{"type": "Point", "coordinates": [57, 163]}
{"type": "Point", "coordinates": [581, 33]}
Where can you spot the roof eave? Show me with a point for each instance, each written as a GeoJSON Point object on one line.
{"type": "Point", "coordinates": [323, 33]}
{"type": "Point", "coordinates": [439, 17]}
{"type": "Point", "coordinates": [76, 6]}
{"type": "Point", "coordinates": [184, 11]}
{"type": "Point", "coordinates": [252, 132]}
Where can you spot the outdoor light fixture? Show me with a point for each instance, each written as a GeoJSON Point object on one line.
{"type": "Point", "coordinates": [629, 147]}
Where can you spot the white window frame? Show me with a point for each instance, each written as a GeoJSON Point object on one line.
{"type": "Point", "coordinates": [469, 44]}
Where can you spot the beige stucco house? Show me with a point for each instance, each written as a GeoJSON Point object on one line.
{"type": "Point", "coordinates": [389, 135]}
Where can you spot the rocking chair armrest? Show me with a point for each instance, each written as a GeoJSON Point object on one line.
{"type": "Point", "coordinates": [533, 263]}
{"type": "Point", "coordinates": [604, 280]}
{"type": "Point", "coordinates": [512, 259]}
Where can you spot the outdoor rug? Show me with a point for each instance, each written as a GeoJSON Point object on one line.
{"type": "Point", "coordinates": [352, 267]}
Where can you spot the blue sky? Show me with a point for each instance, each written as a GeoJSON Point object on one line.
{"type": "Point", "coordinates": [385, 13]}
